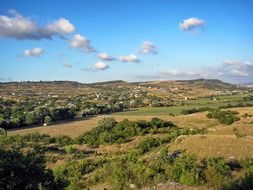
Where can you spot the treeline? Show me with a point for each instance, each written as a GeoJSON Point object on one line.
{"type": "Point", "coordinates": [14, 114]}
{"type": "Point", "coordinates": [13, 117]}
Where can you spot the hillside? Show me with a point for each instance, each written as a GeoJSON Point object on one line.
{"type": "Point", "coordinates": [194, 134]}
{"type": "Point", "coordinates": [65, 89]}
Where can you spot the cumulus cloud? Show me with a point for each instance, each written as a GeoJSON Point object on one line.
{"type": "Point", "coordinates": [35, 52]}
{"type": "Point", "coordinates": [148, 47]}
{"type": "Point", "coordinates": [61, 26]}
{"type": "Point", "coordinates": [191, 24]}
{"type": "Point", "coordinates": [19, 27]}
{"type": "Point", "coordinates": [101, 66]}
{"type": "Point", "coordinates": [105, 57]}
{"type": "Point", "coordinates": [129, 58]}
{"type": "Point", "coordinates": [81, 42]}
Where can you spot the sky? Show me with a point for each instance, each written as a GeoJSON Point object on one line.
{"type": "Point", "coordinates": [96, 40]}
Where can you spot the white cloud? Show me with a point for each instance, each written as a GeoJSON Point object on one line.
{"type": "Point", "coordinates": [101, 65]}
{"type": "Point", "coordinates": [238, 73]}
{"type": "Point", "coordinates": [174, 72]}
{"type": "Point", "coordinates": [105, 57]}
{"type": "Point", "coordinates": [191, 24]}
{"type": "Point", "coordinates": [129, 58]}
{"type": "Point", "coordinates": [80, 42]}
{"type": "Point", "coordinates": [19, 27]}
{"type": "Point", "coordinates": [230, 69]}
{"type": "Point", "coordinates": [148, 48]}
{"type": "Point", "coordinates": [231, 62]}
{"type": "Point", "coordinates": [61, 26]}
{"type": "Point", "coordinates": [248, 63]}
{"type": "Point", "coordinates": [191, 74]}
{"type": "Point", "coordinates": [35, 52]}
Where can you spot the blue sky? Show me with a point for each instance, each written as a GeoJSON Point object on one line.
{"type": "Point", "coordinates": [95, 40]}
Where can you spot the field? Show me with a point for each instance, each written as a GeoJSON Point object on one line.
{"type": "Point", "coordinates": [221, 139]}
{"type": "Point", "coordinates": [189, 104]}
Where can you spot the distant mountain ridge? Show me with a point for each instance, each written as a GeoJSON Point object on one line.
{"type": "Point", "coordinates": [212, 82]}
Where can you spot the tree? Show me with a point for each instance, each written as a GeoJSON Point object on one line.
{"type": "Point", "coordinates": [31, 118]}
{"type": "Point", "coordinates": [48, 120]}
{"type": "Point", "coordinates": [106, 123]}
{"type": "Point", "coordinates": [25, 171]}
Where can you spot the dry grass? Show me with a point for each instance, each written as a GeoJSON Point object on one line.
{"type": "Point", "coordinates": [217, 146]}
{"type": "Point", "coordinates": [72, 129]}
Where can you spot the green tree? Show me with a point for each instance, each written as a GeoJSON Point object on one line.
{"type": "Point", "coordinates": [25, 171]}
{"type": "Point", "coordinates": [48, 120]}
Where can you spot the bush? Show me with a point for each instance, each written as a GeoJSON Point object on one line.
{"type": "Point", "coordinates": [217, 173]}
{"type": "Point", "coordinates": [108, 131]}
{"type": "Point", "coordinates": [193, 110]}
{"type": "Point", "coordinates": [224, 117]}
{"type": "Point", "coordinates": [3, 132]}
{"type": "Point", "coordinates": [69, 149]}
{"type": "Point", "coordinates": [64, 140]}
{"type": "Point", "coordinates": [71, 173]}
{"type": "Point", "coordinates": [149, 143]}
{"type": "Point", "coordinates": [186, 170]}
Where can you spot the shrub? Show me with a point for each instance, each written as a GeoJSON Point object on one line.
{"type": "Point", "coordinates": [69, 149]}
{"type": "Point", "coordinates": [64, 140]}
{"type": "Point", "coordinates": [224, 117]}
{"type": "Point", "coordinates": [71, 173]}
{"type": "Point", "coordinates": [217, 173]}
{"type": "Point", "coordinates": [193, 110]}
{"type": "Point", "coordinates": [186, 170]}
{"type": "Point", "coordinates": [149, 143]}
{"type": "Point", "coordinates": [108, 131]}
{"type": "Point", "coordinates": [3, 132]}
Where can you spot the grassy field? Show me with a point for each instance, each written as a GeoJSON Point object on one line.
{"type": "Point", "coordinates": [189, 104]}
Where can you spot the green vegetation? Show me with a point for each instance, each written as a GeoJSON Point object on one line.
{"type": "Point", "coordinates": [108, 131]}
{"type": "Point", "coordinates": [148, 163]}
{"type": "Point", "coordinates": [118, 154]}
{"type": "Point", "coordinates": [191, 106]}
{"type": "Point", "coordinates": [193, 110]}
{"type": "Point", "coordinates": [25, 171]}
{"type": "Point", "coordinates": [224, 117]}
{"type": "Point", "coordinates": [148, 143]}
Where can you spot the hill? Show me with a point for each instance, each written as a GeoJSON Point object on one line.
{"type": "Point", "coordinates": [162, 89]}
